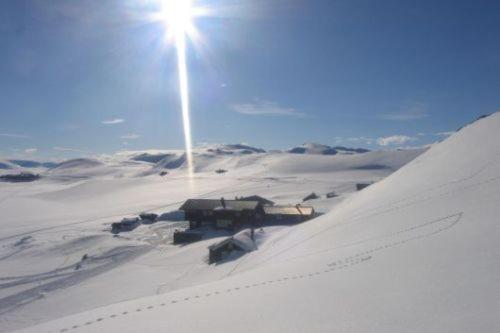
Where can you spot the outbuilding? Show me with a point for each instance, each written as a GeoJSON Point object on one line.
{"type": "Point", "coordinates": [126, 224]}
{"type": "Point", "coordinates": [361, 186]}
{"type": "Point", "coordinates": [217, 252]}
{"type": "Point", "coordinates": [288, 214]}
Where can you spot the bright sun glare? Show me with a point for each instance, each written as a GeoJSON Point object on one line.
{"type": "Point", "coordinates": [178, 15]}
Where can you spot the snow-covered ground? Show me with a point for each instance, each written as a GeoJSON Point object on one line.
{"type": "Point", "coordinates": [417, 251]}
{"type": "Point", "coordinates": [57, 256]}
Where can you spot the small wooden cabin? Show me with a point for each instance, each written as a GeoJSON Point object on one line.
{"type": "Point", "coordinates": [219, 251]}
{"type": "Point", "coordinates": [361, 186]}
{"type": "Point", "coordinates": [288, 214]}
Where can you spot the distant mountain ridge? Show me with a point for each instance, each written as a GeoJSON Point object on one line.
{"type": "Point", "coordinates": [321, 149]}
{"type": "Point", "coordinates": [28, 164]}
{"type": "Point", "coordinates": [33, 164]}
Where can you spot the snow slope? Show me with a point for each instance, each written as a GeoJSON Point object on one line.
{"type": "Point", "coordinates": [61, 249]}
{"type": "Point", "coordinates": [57, 256]}
{"type": "Point", "coordinates": [417, 251]}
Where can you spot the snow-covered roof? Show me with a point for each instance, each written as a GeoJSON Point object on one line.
{"type": "Point", "coordinates": [211, 204]}
{"type": "Point", "coordinates": [288, 210]}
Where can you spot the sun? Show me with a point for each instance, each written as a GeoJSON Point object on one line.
{"type": "Point", "coordinates": [177, 16]}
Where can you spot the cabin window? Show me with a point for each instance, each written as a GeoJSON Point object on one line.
{"type": "Point", "coordinates": [223, 223]}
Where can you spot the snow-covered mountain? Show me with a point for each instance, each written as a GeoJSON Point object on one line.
{"type": "Point", "coordinates": [317, 148]}
{"type": "Point", "coordinates": [416, 251]}
{"type": "Point", "coordinates": [33, 164]}
{"type": "Point", "coordinates": [72, 206]}
{"type": "Point", "coordinates": [5, 165]}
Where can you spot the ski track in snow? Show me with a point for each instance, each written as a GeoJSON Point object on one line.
{"type": "Point", "coordinates": [65, 277]}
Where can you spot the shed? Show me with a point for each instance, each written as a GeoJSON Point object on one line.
{"type": "Point", "coordinates": [288, 214]}
{"type": "Point", "coordinates": [220, 250]}
{"type": "Point", "coordinates": [361, 186]}
{"type": "Point", "coordinates": [126, 224]}
{"type": "Point", "coordinates": [311, 196]}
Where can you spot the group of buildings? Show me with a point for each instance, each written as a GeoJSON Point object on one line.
{"type": "Point", "coordinates": [248, 211]}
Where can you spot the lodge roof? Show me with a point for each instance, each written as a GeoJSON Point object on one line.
{"type": "Point", "coordinates": [258, 198]}
{"type": "Point", "coordinates": [211, 204]}
{"type": "Point", "coordinates": [288, 210]}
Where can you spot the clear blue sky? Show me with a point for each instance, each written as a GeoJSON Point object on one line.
{"type": "Point", "coordinates": [80, 77]}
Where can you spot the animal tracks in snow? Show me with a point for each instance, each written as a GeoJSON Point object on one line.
{"type": "Point", "coordinates": [414, 232]}
{"type": "Point", "coordinates": [343, 264]}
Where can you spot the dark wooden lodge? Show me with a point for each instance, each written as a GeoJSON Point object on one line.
{"type": "Point", "coordinates": [288, 214]}
{"type": "Point", "coordinates": [222, 214]}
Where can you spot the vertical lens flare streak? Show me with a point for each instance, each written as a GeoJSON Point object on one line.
{"type": "Point", "coordinates": [178, 15]}
{"type": "Point", "coordinates": [184, 95]}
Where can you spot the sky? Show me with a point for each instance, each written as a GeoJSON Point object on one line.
{"type": "Point", "coordinates": [95, 77]}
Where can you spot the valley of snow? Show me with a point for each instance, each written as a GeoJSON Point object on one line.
{"type": "Point", "coordinates": [48, 226]}
{"type": "Point", "coordinates": [415, 252]}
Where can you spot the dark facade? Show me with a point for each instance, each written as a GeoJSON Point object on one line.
{"type": "Point", "coordinates": [222, 214]}
{"type": "Point", "coordinates": [187, 236]}
{"type": "Point", "coordinates": [219, 251]}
